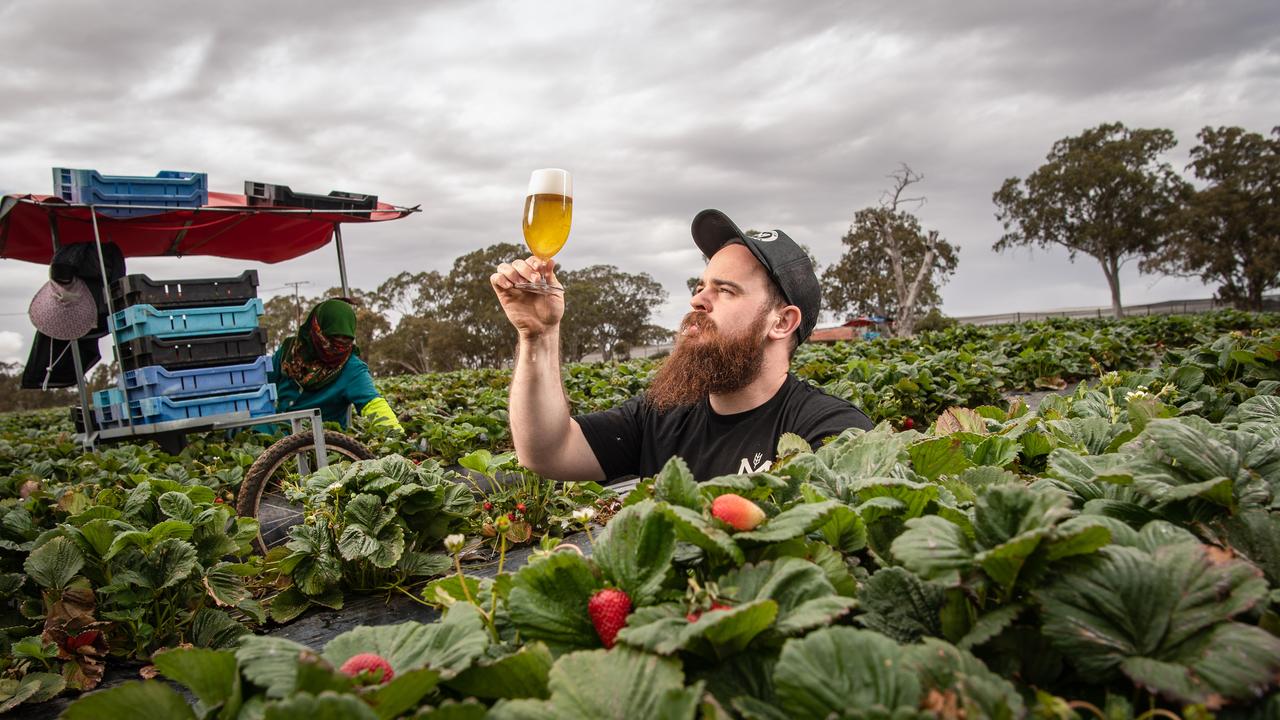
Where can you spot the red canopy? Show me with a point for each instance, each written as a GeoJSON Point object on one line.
{"type": "Point", "coordinates": [237, 230]}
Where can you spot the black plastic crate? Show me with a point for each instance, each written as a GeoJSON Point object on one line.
{"type": "Point", "coordinates": [77, 418]}
{"type": "Point", "coordinates": [207, 351]}
{"type": "Point", "coordinates": [187, 292]}
{"type": "Point", "coordinates": [281, 196]}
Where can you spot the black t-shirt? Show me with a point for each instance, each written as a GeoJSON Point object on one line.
{"type": "Point", "coordinates": [634, 439]}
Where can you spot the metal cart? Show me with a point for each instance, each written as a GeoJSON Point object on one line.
{"type": "Point", "coordinates": [33, 227]}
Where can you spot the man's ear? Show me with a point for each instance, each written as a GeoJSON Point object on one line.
{"type": "Point", "coordinates": [786, 322]}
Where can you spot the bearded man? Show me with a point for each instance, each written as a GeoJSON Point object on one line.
{"type": "Point", "coordinates": [721, 399]}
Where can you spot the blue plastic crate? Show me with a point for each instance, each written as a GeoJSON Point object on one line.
{"type": "Point", "coordinates": [146, 321]}
{"type": "Point", "coordinates": [155, 381]}
{"type": "Point", "coordinates": [168, 189]}
{"type": "Point", "coordinates": [147, 411]}
{"type": "Point", "coordinates": [109, 398]}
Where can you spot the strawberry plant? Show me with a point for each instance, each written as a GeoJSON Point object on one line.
{"type": "Point", "coordinates": [534, 507]}
{"type": "Point", "coordinates": [369, 525]}
{"type": "Point", "coordinates": [125, 574]}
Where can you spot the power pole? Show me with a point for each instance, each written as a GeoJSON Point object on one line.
{"type": "Point", "coordinates": [297, 304]}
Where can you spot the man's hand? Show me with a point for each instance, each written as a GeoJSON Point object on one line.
{"type": "Point", "coordinates": [532, 314]}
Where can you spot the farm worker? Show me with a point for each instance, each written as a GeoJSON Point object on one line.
{"type": "Point", "coordinates": [320, 367]}
{"type": "Point", "coordinates": [723, 397]}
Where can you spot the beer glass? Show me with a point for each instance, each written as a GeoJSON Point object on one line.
{"type": "Point", "coordinates": [548, 211]}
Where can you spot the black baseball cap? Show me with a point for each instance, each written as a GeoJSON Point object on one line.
{"type": "Point", "coordinates": [786, 262]}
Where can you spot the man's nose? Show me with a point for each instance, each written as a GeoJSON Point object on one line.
{"type": "Point", "coordinates": [701, 300]}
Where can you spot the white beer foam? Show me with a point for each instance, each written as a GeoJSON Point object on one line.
{"type": "Point", "coordinates": [551, 181]}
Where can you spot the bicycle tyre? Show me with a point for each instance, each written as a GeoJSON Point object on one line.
{"type": "Point", "coordinates": [258, 479]}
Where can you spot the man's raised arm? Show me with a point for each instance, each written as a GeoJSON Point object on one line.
{"type": "Point", "coordinates": [547, 440]}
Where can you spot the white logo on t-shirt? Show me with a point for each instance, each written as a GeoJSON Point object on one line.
{"type": "Point", "coordinates": [747, 466]}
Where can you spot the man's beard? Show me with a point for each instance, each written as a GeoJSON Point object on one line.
{"type": "Point", "coordinates": [707, 363]}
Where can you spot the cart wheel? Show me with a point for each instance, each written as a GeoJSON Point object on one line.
{"type": "Point", "coordinates": [260, 494]}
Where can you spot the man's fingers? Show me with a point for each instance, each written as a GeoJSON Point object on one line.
{"type": "Point", "coordinates": [500, 280]}
{"type": "Point", "coordinates": [526, 269]}
{"type": "Point", "coordinates": [510, 274]}
{"type": "Point", "coordinates": [516, 271]}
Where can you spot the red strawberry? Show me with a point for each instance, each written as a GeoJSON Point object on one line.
{"type": "Point", "coordinates": [693, 616]}
{"type": "Point", "coordinates": [609, 609]}
{"type": "Point", "coordinates": [520, 507]}
{"type": "Point", "coordinates": [219, 500]}
{"type": "Point", "coordinates": [908, 423]}
{"type": "Point", "coordinates": [739, 512]}
{"type": "Point", "coordinates": [370, 663]}
{"type": "Point", "coordinates": [488, 506]}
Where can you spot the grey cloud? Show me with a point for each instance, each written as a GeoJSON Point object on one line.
{"type": "Point", "coordinates": [786, 115]}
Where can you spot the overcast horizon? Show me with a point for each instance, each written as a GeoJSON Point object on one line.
{"type": "Point", "coordinates": [786, 115]}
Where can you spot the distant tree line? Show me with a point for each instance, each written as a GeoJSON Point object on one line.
{"type": "Point", "coordinates": [1106, 193]}
{"type": "Point", "coordinates": [417, 322]}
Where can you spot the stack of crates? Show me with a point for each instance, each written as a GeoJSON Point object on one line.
{"type": "Point", "coordinates": [168, 189]}
{"type": "Point", "coordinates": [189, 349]}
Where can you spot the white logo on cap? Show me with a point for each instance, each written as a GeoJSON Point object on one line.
{"type": "Point", "coordinates": [766, 236]}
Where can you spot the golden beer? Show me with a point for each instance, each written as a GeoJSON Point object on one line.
{"type": "Point", "coordinates": [548, 212]}
{"type": "Point", "coordinates": [546, 223]}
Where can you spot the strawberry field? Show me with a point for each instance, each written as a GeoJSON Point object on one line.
{"type": "Point", "coordinates": [1113, 552]}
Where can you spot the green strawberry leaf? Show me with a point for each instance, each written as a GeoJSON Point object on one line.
{"type": "Point", "coordinates": [609, 684]}
{"type": "Point", "coordinates": [939, 456]}
{"type": "Point", "coordinates": [448, 646]}
{"type": "Point", "coordinates": [801, 520]}
{"type": "Point", "coordinates": [210, 675]}
{"type": "Point", "coordinates": [325, 706]}
{"type": "Point", "coordinates": [522, 674]}
{"type": "Point", "coordinates": [54, 563]}
{"type": "Point", "coordinates": [871, 677]}
{"type": "Point", "coordinates": [979, 692]}
{"type": "Point", "coordinates": [635, 551]}
{"type": "Point", "coordinates": [805, 598]}
{"type": "Point", "coordinates": [1134, 611]}
{"type": "Point", "coordinates": [549, 598]}
{"type": "Point", "coordinates": [134, 699]}
{"type": "Point", "coordinates": [674, 484]}
{"type": "Point", "coordinates": [664, 629]}
{"type": "Point", "coordinates": [899, 604]}
{"type": "Point", "coordinates": [693, 528]}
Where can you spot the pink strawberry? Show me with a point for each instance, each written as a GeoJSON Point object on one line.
{"type": "Point", "coordinates": [737, 511]}
{"type": "Point", "coordinates": [608, 609]}
{"type": "Point", "coordinates": [368, 663]}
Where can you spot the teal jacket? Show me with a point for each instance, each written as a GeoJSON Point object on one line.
{"type": "Point", "coordinates": [353, 386]}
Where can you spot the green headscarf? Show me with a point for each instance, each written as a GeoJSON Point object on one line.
{"type": "Point", "coordinates": [318, 352]}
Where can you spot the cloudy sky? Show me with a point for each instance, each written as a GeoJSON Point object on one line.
{"type": "Point", "coordinates": [782, 114]}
